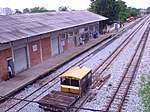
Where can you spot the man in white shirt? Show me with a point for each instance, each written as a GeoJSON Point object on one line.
{"type": "Point", "coordinates": [10, 71]}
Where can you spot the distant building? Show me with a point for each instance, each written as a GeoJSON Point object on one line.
{"type": "Point", "coordinates": [6, 11]}
{"type": "Point", "coordinates": [142, 12]}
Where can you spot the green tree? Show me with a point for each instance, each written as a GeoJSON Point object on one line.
{"type": "Point", "coordinates": [134, 11]}
{"type": "Point", "coordinates": [26, 10]}
{"type": "Point", "coordinates": [122, 11]}
{"type": "Point", "coordinates": [107, 8]}
{"type": "Point", "coordinates": [115, 10]}
{"type": "Point", "coordinates": [63, 8]}
{"type": "Point", "coordinates": [38, 9]}
{"type": "Point", "coordinates": [18, 11]}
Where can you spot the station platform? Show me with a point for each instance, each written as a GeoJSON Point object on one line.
{"type": "Point", "coordinates": [18, 82]}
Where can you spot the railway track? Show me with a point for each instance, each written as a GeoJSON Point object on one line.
{"type": "Point", "coordinates": [104, 65]}
{"type": "Point", "coordinates": [117, 99]}
{"type": "Point", "coordinates": [47, 83]}
{"type": "Point", "coordinates": [100, 79]}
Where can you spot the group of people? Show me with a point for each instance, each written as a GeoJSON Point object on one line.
{"type": "Point", "coordinates": [108, 28]}
{"type": "Point", "coordinates": [116, 26]}
{"type": "Point", "coordinates": [86, 37]}
{"type": "Point", "coordinates": [81, 41]}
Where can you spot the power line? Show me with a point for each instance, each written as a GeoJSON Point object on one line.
{"type": "Point", "coordinates": [30, 101]}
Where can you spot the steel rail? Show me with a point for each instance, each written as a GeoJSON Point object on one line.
{"type": "Point", "coordinates": [30, 101]}
{"type": "Point", "coordinates": [136, 57]}
{"type": "Point", "coordinates": [116, 52]}
{"type": "Point", "coordinates": [100, 48]}
{"type": "Point", "coordinates": [124, 43]}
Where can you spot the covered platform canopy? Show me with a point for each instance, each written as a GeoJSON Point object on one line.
{"type": "Point", "coordinates": [15, 27]}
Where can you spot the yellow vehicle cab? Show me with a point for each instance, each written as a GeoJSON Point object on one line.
{"type": "Point", "coordinates": [76, 80]}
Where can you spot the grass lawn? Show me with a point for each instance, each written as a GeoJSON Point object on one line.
{"type": "Point", "coordinates": [145, 92]}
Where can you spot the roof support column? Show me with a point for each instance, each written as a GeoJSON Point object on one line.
{"type": "Point", "coordinates": [28, 54]}
{"type": "Point", "coordinates": [13, 58]}
{"type": "Point", "coordinates": [41, 54]}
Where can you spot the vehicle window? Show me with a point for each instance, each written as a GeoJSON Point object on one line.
{"type": "Point", "coordinates": [63, 36]}
{"type": "Point", "coordinates": [91, 28]}
{"type": "Point", "coordinates": [89, 75]}
{"type": "Point", "coordinates": [86, 29]}
{"type": "Point", "coordinates": [75, 83]}
{"type": "Point", "coordinates": [65, 81]}
{"type": "Point", "coordinates": [83, 80]}
{"type": "Point", "coordinates": [70, 39]}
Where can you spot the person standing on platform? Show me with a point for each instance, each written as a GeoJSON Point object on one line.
{"type": "Point", "coordinates": [116, 26]}
{"type": "Point", "coordinates": [10, 72]}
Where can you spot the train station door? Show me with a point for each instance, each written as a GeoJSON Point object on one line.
{"type": "Point", "coordinates": [55, 46]}
{"type": "Point", "coordinates": [11, 64]}
{"type": "Point", "coordinates": [20, 59]}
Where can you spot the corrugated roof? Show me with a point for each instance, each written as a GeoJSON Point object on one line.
{"type": "Point", "coordinates": [14, 27]}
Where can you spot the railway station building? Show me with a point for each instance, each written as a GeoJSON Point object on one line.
{"type": "Point", "coordinates": [29, 39]}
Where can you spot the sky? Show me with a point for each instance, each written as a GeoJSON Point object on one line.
{"type": "Point", "coordinates": [54, 4]}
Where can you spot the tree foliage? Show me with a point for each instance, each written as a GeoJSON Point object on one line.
{"type": "Point", "coordinates": [38, 9]}
{"type": "Point", "coordinates": [107, 8]}
{"type": "Point", "coordinates": [115, 10]}
{"type": "Point", "coordinates": [35, 10]}
{"type": "Point", "coordinates": [17, 11]}
{"type": "Point", "coordinates": [63, 8]}
{"type": "Point", "coordinates": [26, 10]}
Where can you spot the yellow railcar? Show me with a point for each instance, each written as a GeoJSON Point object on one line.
{"type": "Point", "coordinates": [76, 80]}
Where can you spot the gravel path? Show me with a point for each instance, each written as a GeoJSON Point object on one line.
{"type": "Point", "coordinates": [134, 103]}
{"type": "Point", "coordinates": [4, 106]}
{"type": "Point", "coordinates": [95, 60]}
{"type": "Point", "coordinates": [116, 69]}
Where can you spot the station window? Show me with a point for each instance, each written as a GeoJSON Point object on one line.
{"type": "Point", "coordinates": [65, 81]}
{"type": "Point", "coordinates": [91, 28]}
{"type": "Point", "coordinates": [86, 28]}
{"type": "Point", "coordinates": [89, 75]}
{"type": "Point", "coordinates": [83, 80]}
{"type": "Point", "coordinates": [63, 36]}
{"type": "Point", "coordinates": [70, 39]}
{"type": "Point", "coordinates": [70, 34]}
{"type": "Point", "coordinates": [75, 83]}
{"type": "Point", "coordinates": [76, 32]}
